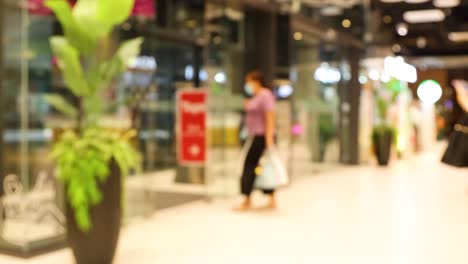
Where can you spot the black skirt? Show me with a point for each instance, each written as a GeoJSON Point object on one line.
{"type": "Point", "coordinates": [457, 151]}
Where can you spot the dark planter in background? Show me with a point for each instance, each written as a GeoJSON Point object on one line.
{"type": "Point", "coordinates": [382, 139]}
{"type": "Point", "coordinates": [98, 246]}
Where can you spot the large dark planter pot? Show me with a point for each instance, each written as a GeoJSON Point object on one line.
{"type": "Point", "coordinates": [98, 246]}
{"type": "Point", "coordinates": [382, 146]}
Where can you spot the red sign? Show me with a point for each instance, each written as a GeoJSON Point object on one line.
{"type": "Point", "coordinates": [191, 127]}
{"type": "Point", "coordinates": [36, 7]}
{"type": "Point", "coordinates": [141, 8]}
{"type": "Point", "coordinates": [144, 8]}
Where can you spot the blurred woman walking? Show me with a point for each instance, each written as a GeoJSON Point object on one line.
{"type": "Point", "coordinates": [260, 123]}
{"type": "Point", "coordinates": [457, 151]}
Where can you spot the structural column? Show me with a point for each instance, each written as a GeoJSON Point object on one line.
{"type": "Point", "coordinates": [2, 119]}
{"type": "Point", "coordinates": [261, 42]}
{"type": "Point", "coordinates": [349, 110]}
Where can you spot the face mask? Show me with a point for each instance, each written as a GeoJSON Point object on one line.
{"type": "Point", "coordinates": [248, 89]}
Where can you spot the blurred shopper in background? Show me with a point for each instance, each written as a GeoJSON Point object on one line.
{"type": "Point", "coordinates": [457, 151]}
{"type": "Point", "coordinates": [260, 123]}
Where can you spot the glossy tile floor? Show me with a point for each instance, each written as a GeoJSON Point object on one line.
{"type": "Point", "coordinates": [414, 212]}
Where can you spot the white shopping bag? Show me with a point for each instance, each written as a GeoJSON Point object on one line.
{"type": "Point", "coordinates": [272, 173]}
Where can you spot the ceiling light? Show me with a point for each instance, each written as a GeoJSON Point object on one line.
{"type": "Point", "coordinates": [374, 75]}
{"type": "Point", "coordinates": [402, 29]}
{"type": "Point", "coordinates": [203, 75]}
{"type": "Point", "coordinates": [298, 36]}
{"type": "Point", "coordinates": [387, 19]}
{"type": "Point", "coordinates": [327, 74]}
{"type": "Point", "coordinates": [218, 40]}
{"type": "Point", "coordinates": [220, 77]}
{"type": "Point", "coordinates": [189, 72]}
{"type": "Point", "coordinates": [398, 68]}
{"type": "Point", "coordinates": [331, 11]}
{"type": "Point", "coordinates": [143, 62]}
{"type": "Point", "coordinates": [385, 78]}
{"type": "Point", "coordinates": [446, 3]}
{"type": "Point", "coordinates": [363, 79]}
{"type": "Point", "coordinates": [429, 92]}
{"type": "Point", "coordinates": [346, 23]}
{"type": "Point", "coordinates": [416, 1]}
{"type": "Point", "coordinates": [458, 36]}
{"type": "Point", "coordinates": [285, 90]}
{"type": "Point", "coordinates": [424, 16]}
{"type": "Point", "coordinates": [330, 35]}
{"type": "Point", "coordinates": [421, 42]}
{"type": "Point", "coordinates": [396, 48]}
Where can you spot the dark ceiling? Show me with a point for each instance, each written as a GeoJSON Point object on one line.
{"type": "Point", "coordinates": [433, 37]}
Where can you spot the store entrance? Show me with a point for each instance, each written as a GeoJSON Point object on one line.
{"type": "Point", "coordinates": [164, 67]}
{"type": "Point", "coordinates": [317, 74]}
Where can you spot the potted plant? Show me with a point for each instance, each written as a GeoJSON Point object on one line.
{"type": "Point", "coordinates": [382, 140]}
{"type": "Point", "coordinates": [92, 159]}
{"type": "Point", "coordinates": [327, 133]}
{"type": "Point", "coordinates": [383, 133]}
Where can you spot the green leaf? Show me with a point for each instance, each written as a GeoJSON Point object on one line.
{"type": "Point", "coordinates": [86, 16]}
{"type": "Point", "coordinates": [129, 50]}
{"type": "Point", "coordinates": [76, 194]}
{"type": "Point", "coordinates": [102, 172]}
{"type": "Point", "coordinates": [61, 104]}
{"type": "Point", "coordinates": [382, 107]}
{"type": "Point", "coordinates": [94, 108]}
{"type": "Point", "coordinates": [95, 195]}
{"type": "Point", "coordinates": [106, 10]}
{"type": "Point", "coordinates": [82, 218]}
{"type": "Point", "coordinates": [69, 63]}
{"type": "Point", "coordinates": [63, 12]}
{"type": "Point", "coordinates": [78, 38]}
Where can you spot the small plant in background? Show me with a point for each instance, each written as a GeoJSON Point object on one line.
{"type": "Point", "coordinates": [84, 56]}
{"type": "Point", "coordinates": [327, 130]}
{"type": "Point", "coordinates": [386, 96]}
{"type": "Point", "coordinates": [383, 133]}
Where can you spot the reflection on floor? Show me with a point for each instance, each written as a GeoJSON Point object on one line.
{"type": "Point", "coordinates": [414, 212]}
{"type": "Point", "coordinates": [148, 193]}
{"type": "Point", "coordinates": [152, 191]}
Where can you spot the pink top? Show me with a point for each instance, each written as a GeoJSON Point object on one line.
{"type": "Point", "coordinates": [256, 110]}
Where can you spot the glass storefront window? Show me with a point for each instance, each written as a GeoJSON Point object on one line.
{"type": "Point", "coordinates": [185, 17]}
{"type": "Point", "coordinates": [316, 78]}
{"type": "Point", "coordinates": [346, 16]}
{"type": "Point", "coordinates": [31, 217]}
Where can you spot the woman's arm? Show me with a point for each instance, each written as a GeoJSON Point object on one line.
{"type": "Point", "coordinates": [246, 103]}
{"type": "Point", "coordinates": [270, 128]}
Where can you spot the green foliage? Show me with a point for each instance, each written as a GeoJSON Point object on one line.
{"type": "Point", "coordinates": [90, 20]}
{"type": "Point", "coordinates": [326, 127]}
{"type": "Point", "coordinates": [62, 105]}
{"type": "Point", "coordinates": [83, 163]}
{"type": "Point", "coordinates": [387, 95]}
{"type": "Point", "coordinates": [107, 10]}
{"type": "Point", "coordinates": [83, 156]}
{"type": "Point", "coordinates": [68, 59]}
{"type": "Point", "coordinates": [86, 14]}
{"type": "Point", "coordinates": [382, 108]}
{"type": "Point", "coordinates": [77, 37]}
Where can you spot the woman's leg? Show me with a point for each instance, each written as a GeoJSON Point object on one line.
{"type": "Point", "coordinates": [272, 196]}
{"type": "Point", "coordinates": [251, 163]}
